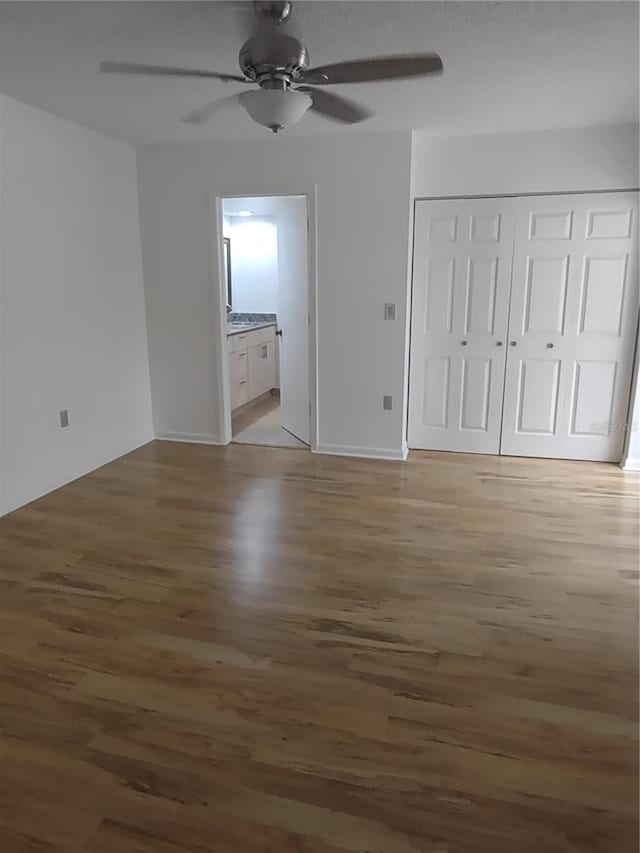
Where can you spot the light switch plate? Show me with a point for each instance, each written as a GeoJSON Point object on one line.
{"type": "Point", "coordinates": [390, 311]}
{"type": "Point", "coordinates": [64, 418]}
{"type": "Point", "coordinates": [387, 402]}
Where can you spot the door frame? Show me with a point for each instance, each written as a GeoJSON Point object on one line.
{"type": "Point", "coordinates": [636, 344]}
{"type": "Point", "coordinates": [222, 393]}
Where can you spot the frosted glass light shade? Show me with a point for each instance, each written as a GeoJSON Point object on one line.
{"type": "Point", "coordinates": [275, 108]}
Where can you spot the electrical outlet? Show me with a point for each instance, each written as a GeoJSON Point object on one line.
{"type": "Point", "coordinates": [390, 311]}
{"type": "Point", "coordinates": [387, 402]}
{"type": "Point", "coordinates": [64, 418]}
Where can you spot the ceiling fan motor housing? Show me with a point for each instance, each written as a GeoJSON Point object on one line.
{"type": "Point", "coordinates": [274, 10]}
{"type": "Point", "coordinates": [274, 61]}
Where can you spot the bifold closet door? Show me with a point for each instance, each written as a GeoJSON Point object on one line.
{"type": "Point", "coordinates": [574, 309]}
{"type": "Point", "coordinates": [460, 304]}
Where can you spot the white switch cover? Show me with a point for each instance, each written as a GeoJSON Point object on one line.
{"type": "Point", "coordinates": [390, 311]}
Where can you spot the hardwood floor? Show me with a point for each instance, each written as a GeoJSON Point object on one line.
{"type": "Point", "coordinates": [247, 650]}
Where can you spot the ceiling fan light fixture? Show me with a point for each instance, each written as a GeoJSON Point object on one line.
{"type": "Point", "coordinates": [275, 108]}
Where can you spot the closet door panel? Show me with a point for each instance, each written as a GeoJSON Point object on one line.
{"type": "Point", "coordinates": [460, 299]}
{"type": "Point", "coordinates": [574, 308]}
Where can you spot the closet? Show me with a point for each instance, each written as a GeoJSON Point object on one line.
{"type": "Point", "coordinates": [523, 324]}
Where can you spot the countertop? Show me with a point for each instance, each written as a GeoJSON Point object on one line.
{"type": "Point", "coordinates": [243, 328]}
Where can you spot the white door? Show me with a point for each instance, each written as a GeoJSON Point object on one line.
{"type": "Point", "coordinates": [460, 305]}
{"type": "Point", "coordinates": [293, 315]}
{"type": "Point", "coordinates": [574, 309]}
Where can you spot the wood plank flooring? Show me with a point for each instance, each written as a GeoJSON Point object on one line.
{"type": "Point", "coordinates": [253, 650]}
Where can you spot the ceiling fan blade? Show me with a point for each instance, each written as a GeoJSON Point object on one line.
{"type": "Point", "coordinates": [375, 68]}
{"type": "Point", "coordinates": [335, 106]}
{"type": "Point", "coordinates": [165, 71]}
{"type": "Point", "coordinates": [200, 116]}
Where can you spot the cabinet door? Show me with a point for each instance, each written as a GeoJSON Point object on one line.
{"type": "Point", "coordinates": [239, 393]}
{"type": "Point", "coordinates": [262, 373]}
{"type": "Point", "coordinates": [461, 279]}
{"type": "Point", "coordinates": [574, 308]}
{"type": "Point", "coordinates": [269, 358]}
{"type": "Point", "coordinates": [238, 378]}
{"type": "Point", "coordinates": [238, 365]}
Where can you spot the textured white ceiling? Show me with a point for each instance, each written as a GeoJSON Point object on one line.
{"type": "Point", "coordinates": [508, 65]}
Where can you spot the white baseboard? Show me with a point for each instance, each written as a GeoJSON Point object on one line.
{"type": "Point", "coordinates": [362, 452]}
{"type": "Point", "coordinates": [190, 438]}
{"type": "Point", "coordinates": [631, 465]}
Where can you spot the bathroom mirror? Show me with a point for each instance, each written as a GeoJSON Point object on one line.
{"type": "Point", "coordinates": [227, 267]}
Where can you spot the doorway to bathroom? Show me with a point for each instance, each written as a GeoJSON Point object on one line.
{"type": "Point", "coordinates": [266, 284]}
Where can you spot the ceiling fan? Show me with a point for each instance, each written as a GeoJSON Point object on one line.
{"type": "Point", "coordinates": [279, 64]}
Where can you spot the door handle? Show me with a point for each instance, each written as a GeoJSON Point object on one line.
{"type": "Point", "coordinates": [549, 346]}
{"type": "Point", "coordinates": [463, 343]}
{"type": "Point", "coordinates": [513, 343]}
{"type": "Point", "coordinates": [279, 332]}
{"type": "Point", "coordinates": [498, 343]}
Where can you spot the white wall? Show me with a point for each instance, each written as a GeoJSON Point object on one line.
{"type": "Point", "coordinates": [633, 456]}
{"type": "Point", "coordinates": [538, 162]}
{"type": "Point", "coordinates": [365, 183]}
{"type": "Point", "coordinates": [603, 158]}
{"type": "Point", "coordinates": [632, 451]}
{"type": "Point", "coordinates": [73, 330]}
{"type": "Point", "coordinates": [254, 263]}
{"type": "Point", "coordinates": [362, 185]}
